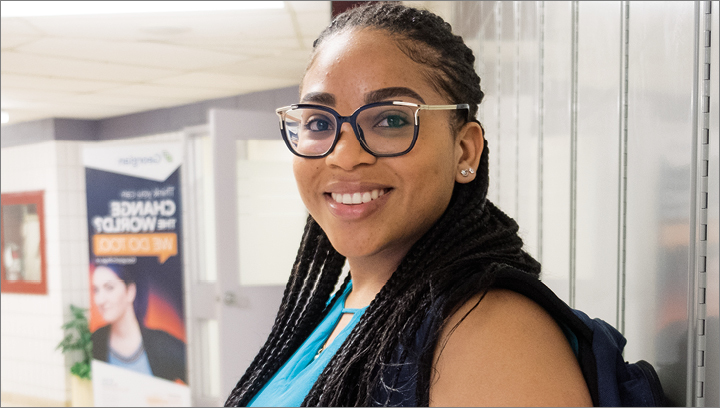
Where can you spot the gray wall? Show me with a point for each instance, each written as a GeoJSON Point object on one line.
{"type": "Point", "coordinates": [142, 123]}
{"type": "Point", "coordinates": [597, 150]}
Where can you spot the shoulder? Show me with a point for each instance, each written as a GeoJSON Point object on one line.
{"type": "Point", "coordinates": [162, 339]}
{"type": "Point", "coordinates": [99, 340]}
{"type": "Point", "coordinates": [166, 354]}
{"type": "Point", "coordinates": [100, 332]}
{"type": "Point", "coordinates": [504, 349]}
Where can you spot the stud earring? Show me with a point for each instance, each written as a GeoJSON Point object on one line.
{"type": "Point", "coordinates": [471, 170]}
{"type": "Point", "coordinates": [464, 173]}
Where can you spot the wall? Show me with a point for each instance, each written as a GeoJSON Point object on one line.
{"type": "Point", "coordinates": [595, 151]}
{"type": "Point", "coordinates": [47, 155]}
{"type": "Point", "coordinates": [30, 365]}
{"type": "Point", "coordinates": [138, 124]}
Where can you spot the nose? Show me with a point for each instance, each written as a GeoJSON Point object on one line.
{"type": "Point", "coordinates": [348, 152]}
{"type": "Point", "coordinates": [99, 298]}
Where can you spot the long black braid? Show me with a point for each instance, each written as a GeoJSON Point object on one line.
{"type": "Point", "coordinates": [472, 231]}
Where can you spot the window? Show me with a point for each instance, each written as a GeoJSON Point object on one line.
{"type": "Point", "coordinates": [23, 243]}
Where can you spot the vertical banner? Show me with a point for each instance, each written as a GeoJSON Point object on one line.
{"type": "Point", "coordinates": [137, 314]}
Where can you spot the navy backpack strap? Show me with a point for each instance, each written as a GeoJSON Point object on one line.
{"type": "Point", "coordinates": [531, 287]}
{"type": "Point", "coordinates": [610, 380]}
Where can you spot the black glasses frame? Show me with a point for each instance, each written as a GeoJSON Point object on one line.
{"type": "Point", "coordinates": [352, 120]}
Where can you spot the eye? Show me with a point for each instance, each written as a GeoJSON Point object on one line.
{"type": "Point", "coordinates": [392, 121]}
{"type": "Point", "coordinates": [318, 124]}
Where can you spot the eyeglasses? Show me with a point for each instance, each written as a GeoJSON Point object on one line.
{"type": "Point", "coordinates": [384, 129]}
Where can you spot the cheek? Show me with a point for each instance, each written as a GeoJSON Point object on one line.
{"type": "Point", "coordinates": [435, 180]}
{"type": "Point", "coordinates": [438, 161]}
{"type": "Point", "coordinates": [306, 172]}
{"type": "Point", "coordinates": [117, 296]}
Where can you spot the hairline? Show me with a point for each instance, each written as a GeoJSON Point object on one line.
{"type": "Point", "coordinates": [405, 44]}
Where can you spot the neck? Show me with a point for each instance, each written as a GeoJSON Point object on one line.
{"type": "Point", "coordinates": [127, 327]}
{"type": "Point", "coordinates": [369, 275]}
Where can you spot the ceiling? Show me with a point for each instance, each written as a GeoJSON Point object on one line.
{"type": "Point", "coordinates": [98, 66]}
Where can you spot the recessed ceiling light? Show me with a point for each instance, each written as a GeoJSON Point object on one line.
{"type": "Point", "coordinates": [69, 8]}
{"type": "Point", "coordinates": [5, 117]}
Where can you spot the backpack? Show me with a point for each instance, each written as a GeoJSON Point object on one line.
{"type": "Point", "coordinates": [611, 380]}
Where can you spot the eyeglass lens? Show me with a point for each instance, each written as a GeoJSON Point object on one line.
{"type": "Point", "coordinates": [384, 129]}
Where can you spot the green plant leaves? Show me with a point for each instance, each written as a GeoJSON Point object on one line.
{"type": "Point", "coordinates": [78, 339]}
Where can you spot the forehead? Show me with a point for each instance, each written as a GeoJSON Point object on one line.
{"type": "Point", "coordinates": [104, 274]}
{"type": "Point", "coordinates": [352, 64]}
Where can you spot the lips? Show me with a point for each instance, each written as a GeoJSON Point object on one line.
{"type": "Point", "coordinates": [358, 197]}
{"type": "Point", "coordinates": [354, 201]}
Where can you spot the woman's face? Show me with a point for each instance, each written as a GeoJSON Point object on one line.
{"type": "Point", "coordinates": [350, 70]}
{"type": "Point", "coordinates": [112, 296]}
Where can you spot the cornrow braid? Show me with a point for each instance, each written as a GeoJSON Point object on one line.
{"type": "Point", "coordinates": [426, 39]}
{"type": "Point", "coordinates": [456, 259]}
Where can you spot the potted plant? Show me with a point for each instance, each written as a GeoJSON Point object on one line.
{"type": "Point", "coordinates": [77, 339]}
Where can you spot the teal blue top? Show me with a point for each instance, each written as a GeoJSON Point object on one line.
{"type": "Point", "coordinates": [137, 362]}
{"type": "Point", "coordinates": [292, 382]}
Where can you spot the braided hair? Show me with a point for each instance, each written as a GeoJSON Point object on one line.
{"type": "Point", "coordinates": [472, 231]}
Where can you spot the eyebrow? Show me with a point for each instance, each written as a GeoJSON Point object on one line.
{"type": "Point", "coordinates": [389, 93]}
{"type": "Point", "coordinates": [378, 95]}
{"type": "Point", "coordinates": [322, 98]}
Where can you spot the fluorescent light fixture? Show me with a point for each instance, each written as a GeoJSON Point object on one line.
{"type": "Point", "coordinates": [76, 8]}
{"type": "Point", "coordinates": [5, 117]}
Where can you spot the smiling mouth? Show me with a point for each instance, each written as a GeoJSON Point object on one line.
{"type": "Point", "coordinates": [358, 198]}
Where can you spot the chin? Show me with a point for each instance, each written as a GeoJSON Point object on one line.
{"type": "Point", "coordinates": [350, 250]}
{"type": "Point", "coordinates": [110, 318]}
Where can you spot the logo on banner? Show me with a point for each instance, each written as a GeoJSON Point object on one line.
{"type": "Point", "coordinates": [154, 159]}
{"type": "Point", "coordinates": [149, 161]}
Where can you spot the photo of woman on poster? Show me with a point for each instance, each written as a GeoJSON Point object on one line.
{"type": "Point", "coordinates": [124, 341]}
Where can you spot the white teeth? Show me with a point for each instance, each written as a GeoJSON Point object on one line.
{"type": "Point", "coordinates": [357, 198]}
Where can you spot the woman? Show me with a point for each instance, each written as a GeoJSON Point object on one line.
{"type": "Point", "coordinates": [393, 168]}
{"type": "Point", "coordinates": [124, 342]}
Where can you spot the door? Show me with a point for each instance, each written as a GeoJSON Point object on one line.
{"type": "Point", "coordinates": [247, 226]}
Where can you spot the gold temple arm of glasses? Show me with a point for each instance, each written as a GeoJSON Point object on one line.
{"type": "Point", "coordinates": [444, 107]}
{"type": "Point", "coordinates": [433, 107]}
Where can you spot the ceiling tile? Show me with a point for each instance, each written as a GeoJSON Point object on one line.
{"type": "Point", "coordinates": [167, 91]}
{"type": "Point", "coordinates": [21, 63]}
{"type": "Point", "coordinates": [244, 45]}
{"type": "Point", "coordinates": [141, 102]}
{"type": "Point", "coordinates": [234, 83]}
{"type": "Point", "coordinates": [16, 96]}
{"type": "Point", "coordinates": [263, 83]}
{"type": "Point", "coordinates": [75, 111]}
{"type": "Point", "coordinates": [141, 26]}
{"type": "Point", "coordinates": [138, 53]}
{"type": "Point", "coordinates": [320, 7]}
{"type": "Point", "coordinates": [290, 66]}
{"type": "Point", "coordinates": [313, 23]}
{"type": "Point", "coordinates": [101, 66]}
{"type": "Point", "coordinates": [18, 26]}
{"type": "Point", "coordinates": [55, 84]}
{"type": "Point", "coordinates": [8, 42]}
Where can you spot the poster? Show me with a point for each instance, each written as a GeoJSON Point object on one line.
{"type": "Point", "coordinates": [137, 313]}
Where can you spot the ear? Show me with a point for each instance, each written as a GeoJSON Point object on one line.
{"type": "Point", "coordinates": [131, 291]}
{"type": "Point", "coordinates": [469, 144]}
